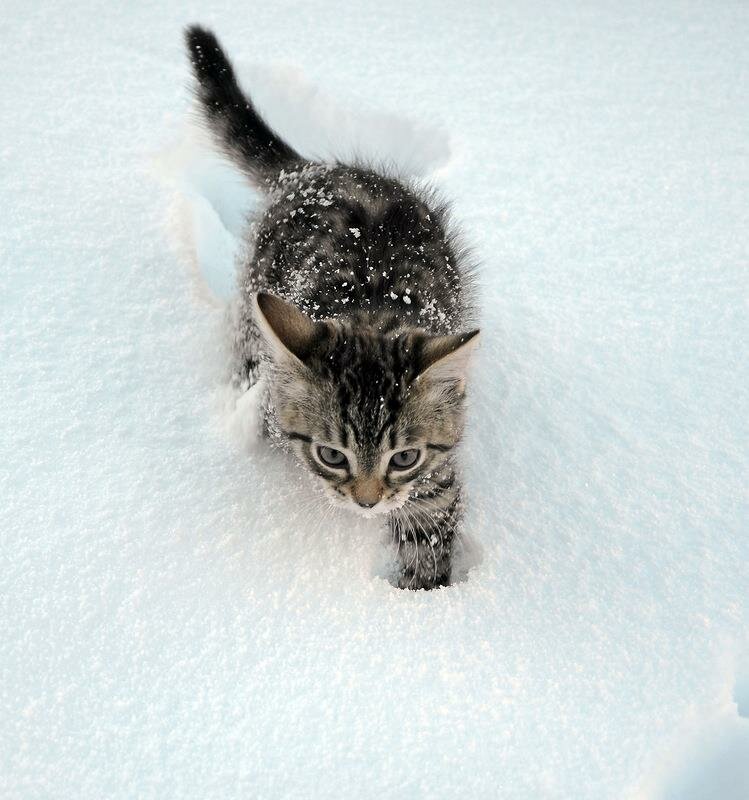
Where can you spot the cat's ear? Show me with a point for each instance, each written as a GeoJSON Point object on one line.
{"type": "Point", "coordinates": [446, 358]}
{"type": "Point", "coordinates": [288, 332]}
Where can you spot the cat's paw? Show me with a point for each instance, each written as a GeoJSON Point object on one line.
{"type": "Point", "coordinates": [410, 579]}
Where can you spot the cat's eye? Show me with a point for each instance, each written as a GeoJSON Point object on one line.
{"type": "Point", "coordinates": [332, 457]}
{"type": "Point", "coordinates": [404, 459]}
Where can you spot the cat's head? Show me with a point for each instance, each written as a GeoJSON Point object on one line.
{"type": "Point", "coordinates": [368, 412]}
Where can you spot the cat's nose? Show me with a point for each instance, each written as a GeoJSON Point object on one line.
{"type": "Point", "coordinates": [367, 491]}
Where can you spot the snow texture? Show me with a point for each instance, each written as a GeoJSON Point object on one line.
{"type": "Point", "coordinates": [180, 617]}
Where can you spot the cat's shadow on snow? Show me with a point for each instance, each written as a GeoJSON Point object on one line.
{"type": "Point", "coordinates": [212, 202]}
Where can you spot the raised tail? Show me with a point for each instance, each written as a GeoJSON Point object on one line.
{"type": "Point", "coordinates": [238, 129]}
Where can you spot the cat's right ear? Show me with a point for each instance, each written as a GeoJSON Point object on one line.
{"type": "Point", "coordinates": [289, 334]}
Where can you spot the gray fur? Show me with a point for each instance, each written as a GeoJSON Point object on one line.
{"type": "Point", "coordinates": [368, 350]}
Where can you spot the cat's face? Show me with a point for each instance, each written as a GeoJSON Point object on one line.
{"type": "Point", "coordinates": [369, 414]}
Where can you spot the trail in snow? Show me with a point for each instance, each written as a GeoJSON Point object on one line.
{"type": "Point", "coordinates": [181, 617]}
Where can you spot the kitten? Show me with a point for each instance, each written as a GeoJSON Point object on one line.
{"type": "Point", "coordinates": [355, 306]}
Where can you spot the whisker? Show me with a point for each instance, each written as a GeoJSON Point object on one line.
{"type": "Point", "coordinates": [418, 526]}
{"type": "Point", "coordinates": [429, 540]}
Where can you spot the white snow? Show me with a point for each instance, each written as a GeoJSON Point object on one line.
{"type": "Point", "coordinates": [179, 616]}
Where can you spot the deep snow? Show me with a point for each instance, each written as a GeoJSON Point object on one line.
{"type": "Point", "coordinates": [180, 616]}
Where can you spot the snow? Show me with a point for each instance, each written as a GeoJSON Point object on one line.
{"type": "Point", "coordinates": [179, 615]}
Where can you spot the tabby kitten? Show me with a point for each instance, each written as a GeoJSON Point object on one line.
{"type": "Point", "coordinates": [354, 306]}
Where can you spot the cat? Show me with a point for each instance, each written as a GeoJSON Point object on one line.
{"type": "Point", "coordinates": [355, 306]}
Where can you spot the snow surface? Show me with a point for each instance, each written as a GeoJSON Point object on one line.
{"type": "Point", "coordinates": [179, 615]}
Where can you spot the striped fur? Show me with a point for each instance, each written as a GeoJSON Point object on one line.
{"type": "Point", "coordinates": [367, 352]}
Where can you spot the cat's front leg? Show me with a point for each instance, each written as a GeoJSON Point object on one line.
{"type": "Point", "coordinates": [423, 532]}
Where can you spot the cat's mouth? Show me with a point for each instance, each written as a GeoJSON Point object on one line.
{"type": "Point", "coordinates": [379, 509]}
{"type": "Point", "coordinates": [382, 508]}
{"type": "Point", "coordinates": [371, 513]}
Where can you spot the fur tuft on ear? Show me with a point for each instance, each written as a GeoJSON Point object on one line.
{"type": "Point", "coordinates": [446, 358]}
{"type": "Point", "coordinates": [287, 331]}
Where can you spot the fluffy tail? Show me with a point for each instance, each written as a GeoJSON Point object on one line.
{"type": "Point", "coordinates": [232, 119]}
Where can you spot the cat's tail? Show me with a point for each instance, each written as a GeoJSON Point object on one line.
{"type": "Point", "coordinates": [237, 128]}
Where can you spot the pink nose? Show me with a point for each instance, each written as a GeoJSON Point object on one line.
{"type": "Point", "coordinates": [367, 491]}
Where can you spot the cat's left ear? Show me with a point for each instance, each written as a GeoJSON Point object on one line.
{"type": "Point", "coordinates": [289, 333]}
{"type": "Point", "coordinates": [446, 358]}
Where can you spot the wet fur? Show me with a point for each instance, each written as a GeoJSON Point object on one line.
{"type": "Point", "coordinates": [373, 264]}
